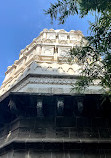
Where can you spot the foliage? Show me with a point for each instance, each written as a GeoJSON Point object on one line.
{"type": "Point", "coordinates": [95, 56]}
{"type": "Point", "coordinates": [99, 45]}
{"type": "Point", "coordinates": [61, 9]}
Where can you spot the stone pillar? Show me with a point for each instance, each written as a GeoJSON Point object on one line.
{"type": "Point", "coordinates": [80, 105]}
{"type": "Point", "coordinates": [13, 107]}
{"type": "Point", "coordinates": [60, 106]}
{"type": "Point", "coordinates": [39, 108]}
{"type": "Point", "coordinates": [55, 53]}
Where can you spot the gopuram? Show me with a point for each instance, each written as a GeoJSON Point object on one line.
{"type": "Point", "coordinates": [40, 115]}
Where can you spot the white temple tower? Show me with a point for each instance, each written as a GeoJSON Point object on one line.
{"type": "Point", "coordinates": [42, 66]}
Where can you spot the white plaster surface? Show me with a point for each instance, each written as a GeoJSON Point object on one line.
{"type": "Point", "coordinates": [41, 67]}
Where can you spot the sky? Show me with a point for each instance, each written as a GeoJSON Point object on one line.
{"type": "Point", "coordinates": [22, 20]}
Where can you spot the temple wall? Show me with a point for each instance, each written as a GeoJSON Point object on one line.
{"type": "Point", "coordinates": [66, 137]}
{"type": "Point", "coordinates": [48, 154]}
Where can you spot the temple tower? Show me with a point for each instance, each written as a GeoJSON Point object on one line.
{"type": "Point", "coordinates": [40, 115]}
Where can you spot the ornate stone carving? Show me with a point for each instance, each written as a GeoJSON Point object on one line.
{"type": "Point", "coordinates": [72, 31]}
{"type": "Point", "coordinates": [48, 41]}
{"type": "Point", "coordinates": [63, 51]}
{"type": "Point", "coordinates": [39, 108]}
{"type": "Point", "coordinates": [70, 71]}
{"type": "Point", "coordinates": [13, 107]}
{"type": "Point", "coordinates": [63, 36]}
{"type": "Point", "coordinates": [48, 51]}
{"type": "Point", "coordinates": [51, 35]}
{"type": "Point", "coordinates": [45, 30]}
{"type": "Point", "coordinates": [80, 104]}
{"type": "Point", "coordinates": [51, 48]}
{"type": "Point", "coordinates": [51, 30]}
{"type": "Point", "coordinates": [63, 41]}
{"type": "Point", "coordinates": [52, 81]}
{"type": "Point", "coordinates": [60, 106]}
{"type": "Point", "coordinates": [62, 31]}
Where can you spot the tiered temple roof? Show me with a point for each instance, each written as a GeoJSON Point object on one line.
{"type": "Point", "coordinates": [46, 57]}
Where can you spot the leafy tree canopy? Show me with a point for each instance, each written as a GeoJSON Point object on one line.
{"type": "Point", "coordinates": [64, 8]}
{"type": "Point", "coordinates": [99, 42]}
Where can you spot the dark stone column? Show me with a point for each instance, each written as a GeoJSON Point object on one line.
{"type": "Point", "coordinates": [40, 107]}
{"type": "Point", "coordinates": [80, 105]}
{"type": "Point", "coordinates": [60, 107]}
{"type": "Point", "coordinates": [13, 107]}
